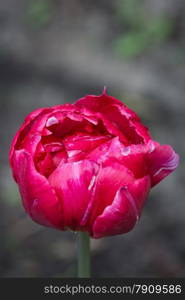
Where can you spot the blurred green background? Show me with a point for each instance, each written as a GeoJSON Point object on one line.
{"type": "Point", "coordinates": [56, 51]}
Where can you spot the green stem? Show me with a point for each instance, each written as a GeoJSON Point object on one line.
{"type": "Point", "coordinates": [83, 255]}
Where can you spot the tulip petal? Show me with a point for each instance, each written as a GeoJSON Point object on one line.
{"type": "Point", "coordinates": [73, 183]}
{"type": "Point", "coordinates": [116, 113]}
{"type": "Point", "coordinates": [132, 157]}
{"type": "Point", "coordinates": [161, 162]}
{"type": "Point", "coordinates": [28, 135]}
{"type": "Point", "coordinates": [108, 181]}
{"type": "Point", "coordinates": [79, 145]}
{"type": "Point", "coordinates": [139, 190]}
{"type": "Point", "coordinates": [122, 215]}
{"type": "Point", "coordinates": [39, 198]}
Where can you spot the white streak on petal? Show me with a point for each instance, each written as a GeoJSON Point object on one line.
{"type": "Point", "coordinates": [132, 202]}
{"type": "Point", "coordinates": [51, 121]}
{"type": "Point", "coordinates": [125, 151]}
{"type": "Point", "coordinates": [73, 152]}
{"type": "Point", "coordinates": [151, 146]}
{"type": "Point", "coordinates": [92, 183]}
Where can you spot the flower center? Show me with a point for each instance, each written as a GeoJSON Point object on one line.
{"type": "Point", "coordinates": [68, 139]}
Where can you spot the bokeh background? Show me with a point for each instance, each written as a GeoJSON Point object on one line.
{"type": "Point", "coordinates": [56, 51]}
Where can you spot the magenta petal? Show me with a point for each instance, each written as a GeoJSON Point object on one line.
{"type": "Point", "coordinates": [46, 166]}
{"type": "Point", "coordinates": [38, 197]}
{"type": "Point", "coordinates": [161, 162]}
{"type": "Point", "coordinates": [73, 183]}
{"type": "Point", "coordinates": [139, 190]}
{"type": "Point", "coordinates": [79, 145]}
{"type": "Point", "coordinates": [108, 181]}
{"type": "Point", "coordinates": [132, 157]}
{"type": "Point", "coordinates": [34, 124]}
{"type": "Point", "coordinates": [116, 115]}
{"type": "Point", "coordinates": [121, 216]}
